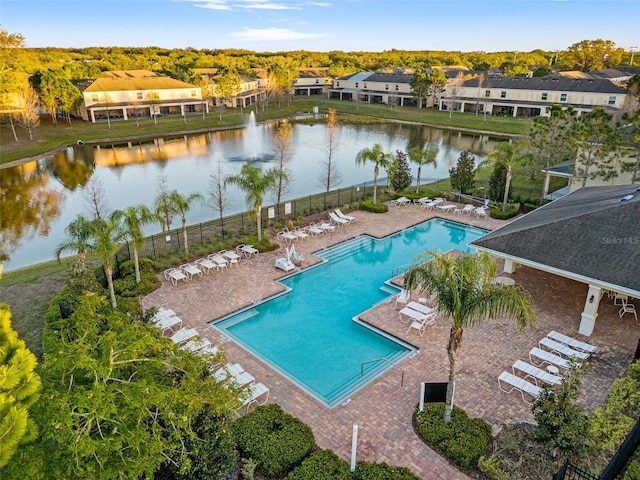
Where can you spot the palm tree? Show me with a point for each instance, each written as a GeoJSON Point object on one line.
{"type": "Point", "coordinates": [108, 235]}
{"type": "Point", "coordinates": [78, 241]}
{"type": "Point", "coordinates": [423, 157]}
{"type": "Point", "coordinates": [133, 219]}
{"type": "Point", "coordinates": [255, 184]}
{"type": "Point", "coordinates": [181, 204]}
{"type": "Point", "coordinates": [465, 292]}
{"type": "Point", "coordinates": [379, 159]}
{"type": "Point", "coordinates": [509, 154]}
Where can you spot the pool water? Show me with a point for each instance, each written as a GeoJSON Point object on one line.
{"type": "Point", "coordinates": [308, 333]}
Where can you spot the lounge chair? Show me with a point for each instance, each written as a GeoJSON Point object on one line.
{"type": "Point", "coordinates": [206, 265]}
{"type": "Point", "coordinates": [562, 349]}
{"type": "Point", "coordinates": [253, 393]}
{"type": "Point", "coordinates": [240, 380]}
{"type": "Point", "coordinates": [535, 373]}
{"type": "Point", "coordinates": [313, 229]}
{"type": "Point", "coordinates": [519, 384]}
{"type": "Point", "coordinates": [300, 233]}
{"type": "Point", "coordinates": [168, 324]}
{"type": "Point", "coordinates": [191, 269]}
{"type": "Point", "coordinates": [468, 208]}
{"type": "Point", "coordinates": [572, 342]}
{"type": "Point", "coordinates": [161, 314]}
{"type": "Point", "coordinates": [196, 345]}
{"type": "Point", "coordinates": [428, 205]}
{"type": "Point", "coordinates": [550, 359]}
{"type": "Point", "coordinates": [175, 275]}
{"type": "Point", "coordinates": [219, 260]}
{"type": "Point", "coordinates": [420, 308]}
{"type": "Point", "coordinates": [421, 201]}
{"type": "Point", "coordinates": [184, 335]}
{"type": "Point", "coordinates": [422, 324]}
{"type": "Point", "coordinates": [209, 350]}
{"type": "Point", "coordinates": [327, 227]}
{"type": "Point", "coordinates": [348, 218]}
{"type": "Point", "coordinates": [416, 316]}
{"type": "Point", "coordinates": [480, 212]}
{"type": "Point", "coordinates": [286, 235]}
{"type": "Point", "coordinates": [401, 202]}
{"type": "Point", "coordinates": [233, 257]}
{"type": "Point", "coordinates": [247, 250]}
{"type": "Point", "coordinates": [224, 373]}
{"type": "Point", "coordinates": [336, 220]}
{"type": "Point", "coordinates": [403, 297]}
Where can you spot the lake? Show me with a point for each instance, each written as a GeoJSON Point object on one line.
{"type": "Point", "coordinates": [40, 198]}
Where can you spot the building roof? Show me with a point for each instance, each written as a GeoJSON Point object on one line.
{"type": "Point", "coordinates": [549, 83]}
{"type": "Point", "coordinates": [111, 84]}
{"type": "Point", "coordinates": [390, 77]}
{"type": "Point", "coordinates": [588, 234]}
{"type": "Point", "coordinates": [130, 74]}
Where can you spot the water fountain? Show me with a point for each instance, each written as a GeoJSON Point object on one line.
{"type": "Point", "coordinates": [252, 142]}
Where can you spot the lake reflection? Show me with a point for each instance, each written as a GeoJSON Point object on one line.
{"type": "Point", "coordinates": [39, 199]}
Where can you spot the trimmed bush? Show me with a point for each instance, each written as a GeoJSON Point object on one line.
{"type": "Point", "coordinates": [379, 207]}
{"type": "Point", "coordinates": [321, 465]}
{"type": "Point", "coordinates": [382, 471]}
{"type": "Point", "coordinates": [126, 285]}
{"type": "Point", "coordinates": [528, 207]}
{"type": "Point", "coordinates": [462, 440]}
{"type": "Point", "coordinates": [500, 215]}
{"type": "Point", "coordinates": [275, 440]}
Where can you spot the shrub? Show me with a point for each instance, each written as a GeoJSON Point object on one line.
{"type": "Point", "coordinates": [275, 440]}
{"type": "Point", "coordinates": [126, 285]}
{"type": "Point", "coordinates": [462, 440]}
{"type": "Point", "coordinates": [462, 176]}
{"type": "Point", "coordinates": [400, 172]}
{"type": "Point", "coordinates": [500, 215]}
{"type": "Point", "coordinates": [368, 206]}
{"type": "Point", "coordinates": [528, 207]}
{"type": "Point", "coordinates": [321, 465]}
{"type": "Point", "coordinates": [382, 471]}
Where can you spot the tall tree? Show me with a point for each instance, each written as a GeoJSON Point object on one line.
{"type": "Point", "coordinates": [255, 185]}
{"type": "Point", "coordinates": [630, 136]}
{"type": "Point", "coordinates": [133, 219]}
{"type": "Point", "coordinates": [464, 291]}
{"type": "Point", "coordinates": [217, 197]}
{"type": "Point", "coordinates": [226, 87]}
{"type": "Point", "coordinates": [423, 157]}
{"type": "Point", "coordinates": [399, 172]}
{"type": "Point", "coordinates": [162, 205]}
{"type": "Point", "coordinates": [330, 175]}
{"type": "Point", "coordinates": [588, 55]}
{"type": "Point", "coordinates": [108, 236]}
{"type": "Point", "coordinates": [78, 240]}
{"type": "Point", "coordinates": [181, 204]}
{"type": "Point", "coordinates": [420, 84]}
{"type": "Point", "coordinates": [462, 176]}
{"type": "Point", "coordinates": [438, 82]}
{"type": "Point", "coordinates": [20, 388]}
{"type": "Point", "coordinates": [95, 197]}
{"type": "Point", "coordinates": [379, 159]}
{"type": "Point", "coordinates": [283, 150]}
{"type": "Point", "coordinates": [508, 154]}
{"type": "Point", "coordinates": [29, 118]}
{"type": "Point", "coordinates": [595, 134]}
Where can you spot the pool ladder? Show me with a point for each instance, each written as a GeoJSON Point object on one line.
{"type": "Point", "coordinates": [382, 359]}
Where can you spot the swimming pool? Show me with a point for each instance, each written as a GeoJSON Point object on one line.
{"type": "Point", "coordinates": [308, 333]}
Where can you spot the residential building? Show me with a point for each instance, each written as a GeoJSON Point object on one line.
{"type": "Point", "coordinates": [312, 81]}
{"type": "Point", "coordinates": [138, 93]}
{"type": "Point", "coordinates": [250, 91]}
{"type": "Point", "coordinates": [388, 88]}
{"type": "Point", "coordinates": [529, 97]}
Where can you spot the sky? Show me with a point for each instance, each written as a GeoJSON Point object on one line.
{"type": "Point", "coordinates": [324, 25]}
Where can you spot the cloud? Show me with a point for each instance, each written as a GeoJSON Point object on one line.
{"type": "Point", "coordinates": [319, 4]}
{"type": "Point", "coordinates": [214, 5]}
{"type": "Point", "coordinates": [271, 34]}
{"type": "Point", "coordinates": [264, 5]}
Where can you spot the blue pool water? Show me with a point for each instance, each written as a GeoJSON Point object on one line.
{"type": "Point", "coordinates": [308, 333]}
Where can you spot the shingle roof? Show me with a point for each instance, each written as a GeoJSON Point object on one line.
{"type": "Point", "coordinates": [136, 83]}
{"type": "Point", "coordinates": [550, 83]}
{"type": "Point", "coordinates": [390, 77]}
{"type": "Point", "coordinates": [590, 233]}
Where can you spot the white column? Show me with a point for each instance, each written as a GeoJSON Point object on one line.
{"type": "Point", "coordinates": [590, 311]}
{"type": "Point", "coordinates": [547, 178]}
{"type": "Point", "coordinates": [509, 266]}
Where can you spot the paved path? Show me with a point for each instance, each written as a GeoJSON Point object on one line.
{"type": "Point", "coordinates": [383, 409]}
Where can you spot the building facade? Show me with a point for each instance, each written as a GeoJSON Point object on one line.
{"type": "Point", "coordinates": [386, 88]}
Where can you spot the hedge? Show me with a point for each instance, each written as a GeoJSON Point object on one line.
{"type": "Point", "coordinates": [321, 465]}
{"type": "Point", "coordinates": [275, 440]}
{"type": "Point", "coordinates": [463, 440]}
{"type": "Point", "coordinates": [379, 207]}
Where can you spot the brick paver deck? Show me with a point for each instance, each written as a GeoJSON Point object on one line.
{"type": "Point", "coordinates": [383, 409]}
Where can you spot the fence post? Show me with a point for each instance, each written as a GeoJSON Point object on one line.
{"type": "Point", "coordinates": [201, 235]}
{"type": "Point", "coordinates": [178, 239]}
{"type": "Point", "coordinates": [153, 245]}
{"type": "Point", "coordinates": [242, 222]}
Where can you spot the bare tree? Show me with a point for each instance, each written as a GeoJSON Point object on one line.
{"type": "Point", "coordinates": [283, 153]}
{"type": "Point", "coordinates": [330, 175]}
{"type": "Point", "coordinates": [95, 196]}
{"type": "Point", "coordinates": [29, 118]}
{"type": "Point", "coordinates": [216, 197]}
{"type": "Point", "coordinates": [107, 100]}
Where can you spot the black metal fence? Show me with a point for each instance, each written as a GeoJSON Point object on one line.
{"type": "Point", "coordinates": [214, 234]}
{"type": "Point", "coordinates": [568, 471]}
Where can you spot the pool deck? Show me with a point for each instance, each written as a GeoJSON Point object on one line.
{"type": "Point", "coordinates": [383, 409]}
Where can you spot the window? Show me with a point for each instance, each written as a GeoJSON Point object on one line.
{"type": "Point", "coordinates": [317, 81]}
{"type": "Point", "coordinates": [397, 87]}
{"type": "Point", "coordinates": [503, 94]}
{"type": "Point", "coordinates": [337, 84]}
{"type": "Point", "coordinates": [193, 93]}
{"type": "Point", "coordinates": [545, 95]}
{"type": "Point", "coordinates": [94, 97]}
{"type": "Point", "coordinates": [139, 95]}
{"type": "Point", "coordinates": [563, 97]}
{"type": "Point", "coordinates": [612, 100]}
{"type": "Point", "coordinates": [487, 93]}
{"type": "Point", "coordinates": [357, 85]}
{"type": "Point", "coordinates": [386, 87]}
{"type": "Point", "coordinates": [365, 86]}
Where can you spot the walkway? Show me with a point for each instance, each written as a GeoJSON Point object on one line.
{"type": "Point", "coordinates": [383, 409]}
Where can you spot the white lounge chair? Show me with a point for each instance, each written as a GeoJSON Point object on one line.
{"type": "Point", "coordinates": [401, 202]}
{"type": "Point", "coordinates": [420, 308]}
{"type": "Point", "coordinates": [403, 297]}
{"type": "Point", "coordinates": [206, 265]}
{"type": "Point", "coordinates": [209, 350]}
{"type": "Point", "coordinates": [226, 372]}
{"type": "Point", "coordinates": [348, 218]}
{"type": "Point", "coordinates": [422, 324]}
{"type": "Point", "coordinates": [233, 257]}
{"type": "Point", "coordinates": [313, 229]}
{"type": "Point", "coordinates": [550, 358]}
{"type": "Point", "coordinates": [327, 227]}
{"type": "Point", "coordinates": [175, 275]}
{"type": "Point", "coordinates": [428, 205]}
{"type": "Point", "coordinates": [253, 393]}
{"type": "Point", "coordinates": [531, 371]}
{"type": "Point", "coordinates": [191, 269]}
{"type": "Point", "coordinates": [286, 235]}
{"type": "Point", "coordinates": [468, 208]}
{"type": "Point", "coordinates": [300, 233]}
{"type": "Point", "coordinates": [336, 220]}
{"type": "Point", "coordinates": [169, 324]}
{"type": "Point", "coordinates": [240, 380]}
{"type": "Point", "coordinates": [161, 314]}
{"type": "Point", "coordinates": [519, 384]}
{"type": "Point", "coordinates": [480, 212]}
{"type": "Point", "coordinates": [196, 345]}
{"type": "Point", "coordinates": [572, 342]}
{"type": "Point", "coordinates": [184, 335]}
{"type": "Point", "coordinates": [219, 260]}
{"type": "Point", "coordinates": [562, 349]}
{"type": "Point", "coordinates": [247, 250]}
